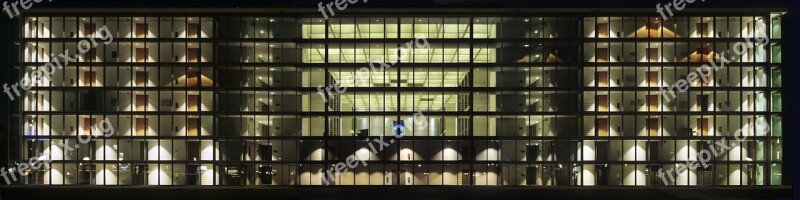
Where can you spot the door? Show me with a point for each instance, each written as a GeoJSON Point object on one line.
{"type": "Point", "coordinates": [192, 54]}
{"type": "Point", "coordinates": [191, 126]}
{"type": "Point", "coordinates": [192, 101]}
{"type": "Point", "coordinates": [88, 78]}
{"type": "Point", "coordinates": [42, 55]}
{"type": "Point", "coordinates": [702, 102]}
{"type": "Point", "coordinates": [602, 103]}
{"type": "Point", "coordinates": [652, 102]}
{"type": "Point", "coordinates": [40, 127]}
{"type": "Point", "coordinates": [265, 151]}
{"type": "Point", "coordinates": [702, 29]}
{"type": "Point", "coordinates": [141, 126]}
{"type": "Point", "coordinates": [141, 102]}
{"type": "Point", "coordinates": [265, 174]}
{"type": "Point", "coordinates": [602, 30]}
{"type": "Point", "coordinates": [467, 152]}
{"type": "Point", "coordinates": [747, 103]}
{"type": "Point", "coordinates": [466, 177]}
{"type": "Point", "coordinates": [530, 175]}
{"type": "Point", "coordinates": [602, 55]}
{"type": "Point", "coordinates": [192, 78]}
{"type": "Point", "coordinates": [602, 174]}
{"type": "Point", "coordinates": [532, 152]}
{"type": "Point", "coordinates": [602, 151]}
{"type": "Point", "coordinates": [602, 79]}
{"type": "Point", "coordinates": [702, 54]}
{"type": "Point", "coordinates": [88, 29]}
{"type": "Point", "coordinates": [193, 150]}
{"type": "Point", "coordinates": [141, 55]}
{"type": "Point", "coordinates": [192, 30]}
{"type": "Point", "coordinates": [42, 104]}
{"type": "Point", "coordinates": [653, 29]}
{"type": "Point", "coordinates": [653, 151]}
{"type": "Point", "coordinates": [141, 30]}
{"type": "Point", "coordinates": [192, 175]}
{"type": "Point", "coordinates": [141, 78]}
{"type": "Point", "coordinates": [652, 78]}
{"type": "Point", "coordinates": [87, 125]}
{"type": "Point", "coordinates": [652, 54]}
{"type": "Point", "coordinates": [40, 30]}
{"type": "Point", "coordinates": [89, 56]}
{"type": "Point", "coordinates": [702, 127]}
{"type": "Point", "coordinates": [652, 127]}
{"type": "Point", "coordinates": [602, 126]}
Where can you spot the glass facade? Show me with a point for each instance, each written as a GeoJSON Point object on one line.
{"type": "Point", "coordinates": [529, 99]}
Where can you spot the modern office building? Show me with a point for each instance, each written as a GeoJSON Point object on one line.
{"type": "Point", "coordinates": [510, 97]}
